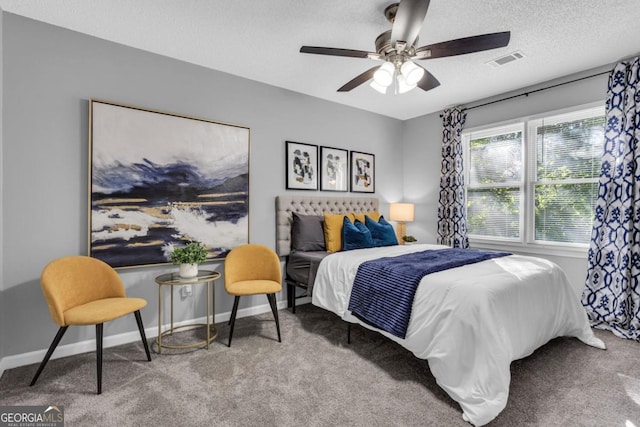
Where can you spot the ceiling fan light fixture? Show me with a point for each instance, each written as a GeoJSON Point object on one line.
{"type": "Point", "coordinates": [398, 48]}
{"type": "Point", "coordinates": [412, 73]}
{"type": "Point", "coordinates": [403, 87]}
{"type": "Point", "coordinates": [384, 75]}
{"type": "Point", "coordinates": [379, 88]}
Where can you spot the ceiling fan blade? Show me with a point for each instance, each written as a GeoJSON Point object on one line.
{"type": "Point", "coordinates": [464, 45]}
{"type": "Point", "coordinates": [408, 21]}
{"type": "Point", "coordinates": [337, 52]}
{"type": "Point", "coordinates": [367, 75]}
{"type": "Point", "coordinates": [428, 81]}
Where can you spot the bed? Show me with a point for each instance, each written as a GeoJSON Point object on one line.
{"type": "Point", "coordinates": [301, 266]}
{"type": "Point", "coordinates": [468, 322]}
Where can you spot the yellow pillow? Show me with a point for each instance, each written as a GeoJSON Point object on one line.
{"type": "Point", "coordinates": [374, 215]}
{"type": "Point", "coordinates": [333, 230]}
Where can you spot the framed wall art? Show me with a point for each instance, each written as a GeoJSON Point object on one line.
{"type": "Point", "coordinates": [301, 167]}
{"type": "Point", "coordinates": [363, 168]}
{"type": "Point", "coordinates": [334, 169]}
{"type": "Point", "coordinates": [159, 179]}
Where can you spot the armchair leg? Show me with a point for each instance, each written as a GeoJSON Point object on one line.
{"type": "Point", "coordinates": [232, 320]}
{"type": "Point", "coordinates": [142, 334]}
{"type": "Point", "coordinates": [235, 307]}
{"type": "Point", "coordinates": [274, 310]}
{"type": "Point", "coordinates": [99, 355]}
{"type": "Point", "coordinates": [52, 347]}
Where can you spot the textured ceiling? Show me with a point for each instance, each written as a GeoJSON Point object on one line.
{"type": "Point", "coordinates": [260, 40]}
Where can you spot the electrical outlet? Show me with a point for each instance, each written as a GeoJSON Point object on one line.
{"type": "Point", "coordinates": [186, 291]}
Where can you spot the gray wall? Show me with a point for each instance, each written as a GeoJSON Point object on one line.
{"type": "Point", "coordinates": [49, 75]}
{"type": "Point", "coordinates": [422, 148]}
{"type": "Point", "coordinates": [3, 320]}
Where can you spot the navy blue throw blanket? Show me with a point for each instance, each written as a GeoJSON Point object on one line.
{"type": "Point", "coordinates": [384, 288]}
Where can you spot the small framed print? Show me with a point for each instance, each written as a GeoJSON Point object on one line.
{"type": "Point", "coordinates": [301, 166]}
{"type": "Point", "coordinates": [363, 168]}
{"type": "Point", "coordinates": [334, 169]}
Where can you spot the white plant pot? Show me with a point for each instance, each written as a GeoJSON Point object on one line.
{"type": "Point", "coordinates": [188, 270]}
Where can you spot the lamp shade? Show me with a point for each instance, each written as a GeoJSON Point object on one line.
{"type": "Point", "coordinates": [379, 88]}
{"type": "Point", "coordinates": [402, 212]}
{"type": "Point", "coordinates": [412, 73]}
{"type": "Point", "coordinates": [384, 75]}
{"type": "Point", "coordinates": [403, 87]}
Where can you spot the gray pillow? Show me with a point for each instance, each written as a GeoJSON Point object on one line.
{"type": "Point", "coordinates": [307, 233]}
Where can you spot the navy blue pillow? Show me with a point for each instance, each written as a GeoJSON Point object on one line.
{"type": "Point", "coordinates": [382, 232]}
{"type": "Point", "coordinates": [355, 236]}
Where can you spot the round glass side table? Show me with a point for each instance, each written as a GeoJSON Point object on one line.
{"type": "Point", "coordinates": [205, 277]}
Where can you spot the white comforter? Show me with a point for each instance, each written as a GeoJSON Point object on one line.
{"type": "Point", "coordinates": [471, 322]}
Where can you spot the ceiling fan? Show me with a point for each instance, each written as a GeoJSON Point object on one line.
{"type": "Point", "coordinates": [397, 48]}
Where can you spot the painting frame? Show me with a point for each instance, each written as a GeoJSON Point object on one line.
{"type": "Point", "coordinates": [363, 172]}
{"type": "Point", "coordinates": [334, 169]}
{"type": "Point", "coordinates": [158, 180]}
{"type": "Point", "coordinates": [301, 166]}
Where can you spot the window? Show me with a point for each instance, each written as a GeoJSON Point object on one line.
{"type": "Point", "coordinates": [495, 183]}
{"type": "Point", "coordinates": [535, 181]}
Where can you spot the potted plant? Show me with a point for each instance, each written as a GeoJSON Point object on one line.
{"type": "Point", "coordinates": [409, 240]}
{"type": "Point", "coordinates": [188, 257]}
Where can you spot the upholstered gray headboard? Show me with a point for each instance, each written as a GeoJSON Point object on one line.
{"type": "Point", "coordinates": [286, 205]}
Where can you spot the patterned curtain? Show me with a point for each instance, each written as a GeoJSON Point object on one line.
{"type": "Point", "coordinates": [612, 293]}
{"type": "Point", "coordinates": [452, 221]}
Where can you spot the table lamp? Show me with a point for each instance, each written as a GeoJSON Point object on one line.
{"type": "Point", "coordinates": [401, 213]}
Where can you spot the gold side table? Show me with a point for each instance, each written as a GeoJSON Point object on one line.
{"type": "Point", "coordinates": [205, 277]}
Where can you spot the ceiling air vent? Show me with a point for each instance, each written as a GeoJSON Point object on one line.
{"type": "Point", "coordinates": [503, 60]}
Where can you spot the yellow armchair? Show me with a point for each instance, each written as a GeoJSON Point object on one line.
{"type": "Point", "coordinates": [251, 270]}
{"type": "Point", "coordinates": [86, 291]}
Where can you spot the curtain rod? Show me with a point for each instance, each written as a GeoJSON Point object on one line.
{"type": "Point", "coordinates": [534, 91]}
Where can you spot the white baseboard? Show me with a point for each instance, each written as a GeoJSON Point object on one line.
{"type": "Point", "coordinates": [10, 362]}
{"type": "Point", "coordinates": [304, 300]}
{"type": "Point", "coordinates": [2, 367]}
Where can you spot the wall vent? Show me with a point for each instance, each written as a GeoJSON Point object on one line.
{"type": "Point", "coordinates": [503, 60]}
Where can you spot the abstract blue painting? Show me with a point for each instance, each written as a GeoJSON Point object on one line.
{"type": "Point", "coordinates": [159, 179]}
